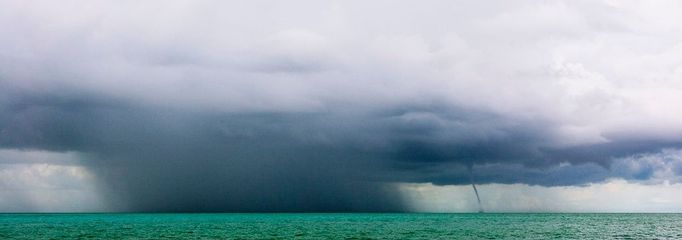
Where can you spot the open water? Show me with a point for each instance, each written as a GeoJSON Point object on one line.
{"type": "Point", "coordinates": [341, 226]}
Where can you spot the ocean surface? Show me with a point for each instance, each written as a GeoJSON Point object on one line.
{"type": "Point", "coordinates": [341, 226]}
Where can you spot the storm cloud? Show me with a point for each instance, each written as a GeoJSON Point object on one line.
{"type": "Point", "coordinates": [311, 106]}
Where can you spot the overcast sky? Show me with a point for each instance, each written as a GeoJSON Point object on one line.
{"type": "Point", "coordinates": [340, 105]}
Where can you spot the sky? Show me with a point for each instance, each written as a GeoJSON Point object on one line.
{"type": "Point", "coordinates": [340, 106]}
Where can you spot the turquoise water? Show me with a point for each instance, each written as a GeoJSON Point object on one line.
{"type": "Point", "coordinates": [341, 226]}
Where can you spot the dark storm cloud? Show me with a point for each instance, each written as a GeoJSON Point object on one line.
{"type": "Point", "coordinates": [223, 106]}
{"type": "Point", "coordinates": [167, 160]}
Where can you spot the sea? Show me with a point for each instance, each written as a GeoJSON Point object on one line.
{"type": "Point", "coordinates": [341, 226]}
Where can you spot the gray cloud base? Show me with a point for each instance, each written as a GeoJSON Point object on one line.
{"type": "Point", "coordinates": [167, 160]}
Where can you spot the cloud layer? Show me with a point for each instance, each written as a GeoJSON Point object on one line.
{"type": "Point", "coordinates": [305, 106]}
